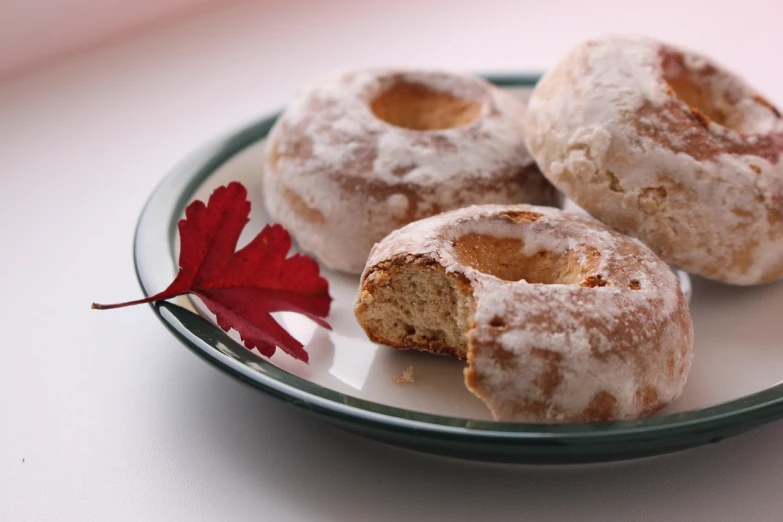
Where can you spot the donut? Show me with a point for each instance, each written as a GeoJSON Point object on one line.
{"type": "Point", "coordinates": [559, 317]}
{"type": "Point", "coordinates": [668, 146]}
{"type": "Point", "coordinates": [359, 154]}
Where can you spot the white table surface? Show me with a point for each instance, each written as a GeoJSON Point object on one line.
{"type": "Point", "coordinates": [105, 416]}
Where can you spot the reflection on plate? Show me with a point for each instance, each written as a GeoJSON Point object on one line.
{"type": "Point", "coordinates": [349, 380]}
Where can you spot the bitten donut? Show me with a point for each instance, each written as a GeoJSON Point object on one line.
{"type": "Point", "coordinates": [360, 154]}
{"type": "Point", "coordinates": [560, 318]}
{"type": "Point", "coordinates": [666, 145]}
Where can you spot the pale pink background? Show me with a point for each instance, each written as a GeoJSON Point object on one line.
{"type": "Point", "coordinates": [36, 31]}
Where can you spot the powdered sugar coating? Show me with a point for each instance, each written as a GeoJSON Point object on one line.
{"type": "Point", "coordinates": [341, 179]}
{"type": "Point", "coordinates": [608, 129]}
{"type": "Point", "coordinates": [560, 352]}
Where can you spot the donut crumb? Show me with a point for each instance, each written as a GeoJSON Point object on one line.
{"type": "Point", "coordinates": [406, 377]}
{"type": "Point", "coordinates": [635, 284]}
{"type": "Point", "coordinates": [755, 168]}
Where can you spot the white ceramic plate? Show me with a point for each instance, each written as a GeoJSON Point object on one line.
{"type": "Point", "coordinates": [350, 380]}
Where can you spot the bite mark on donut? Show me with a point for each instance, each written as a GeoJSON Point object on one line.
{"type": "Point", "coordinates": [417, 306]}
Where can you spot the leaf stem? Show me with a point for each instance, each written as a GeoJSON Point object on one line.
{"type": "Point", "coordinates": [97, 306]}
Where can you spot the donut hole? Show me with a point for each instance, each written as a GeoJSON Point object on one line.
{"type": "Point", "coordinates": [694, 90]}
{"type": "Point", "coordinates": [504, 259]}
{"type": "Point", "coordinates": [416, 106]}
{"type": "Point", "coordinates": [713, 94]}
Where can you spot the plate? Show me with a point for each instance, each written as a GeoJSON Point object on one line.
{"type": "Point", "coordinates": [734, 384]}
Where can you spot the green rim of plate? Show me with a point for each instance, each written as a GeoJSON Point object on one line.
{"type": "Point", "coordinates": [155, 259]}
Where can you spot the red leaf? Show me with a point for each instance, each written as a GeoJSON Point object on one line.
{"type": "Point", "coordinates": [242, 288]}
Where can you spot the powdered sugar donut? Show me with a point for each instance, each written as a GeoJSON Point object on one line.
{"type": "Point", "coordinates": [360, 154]}
{"type": "Point", "coordinates": [560, 318]}
{"type": "Point", "coordinates": [668, 146]}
